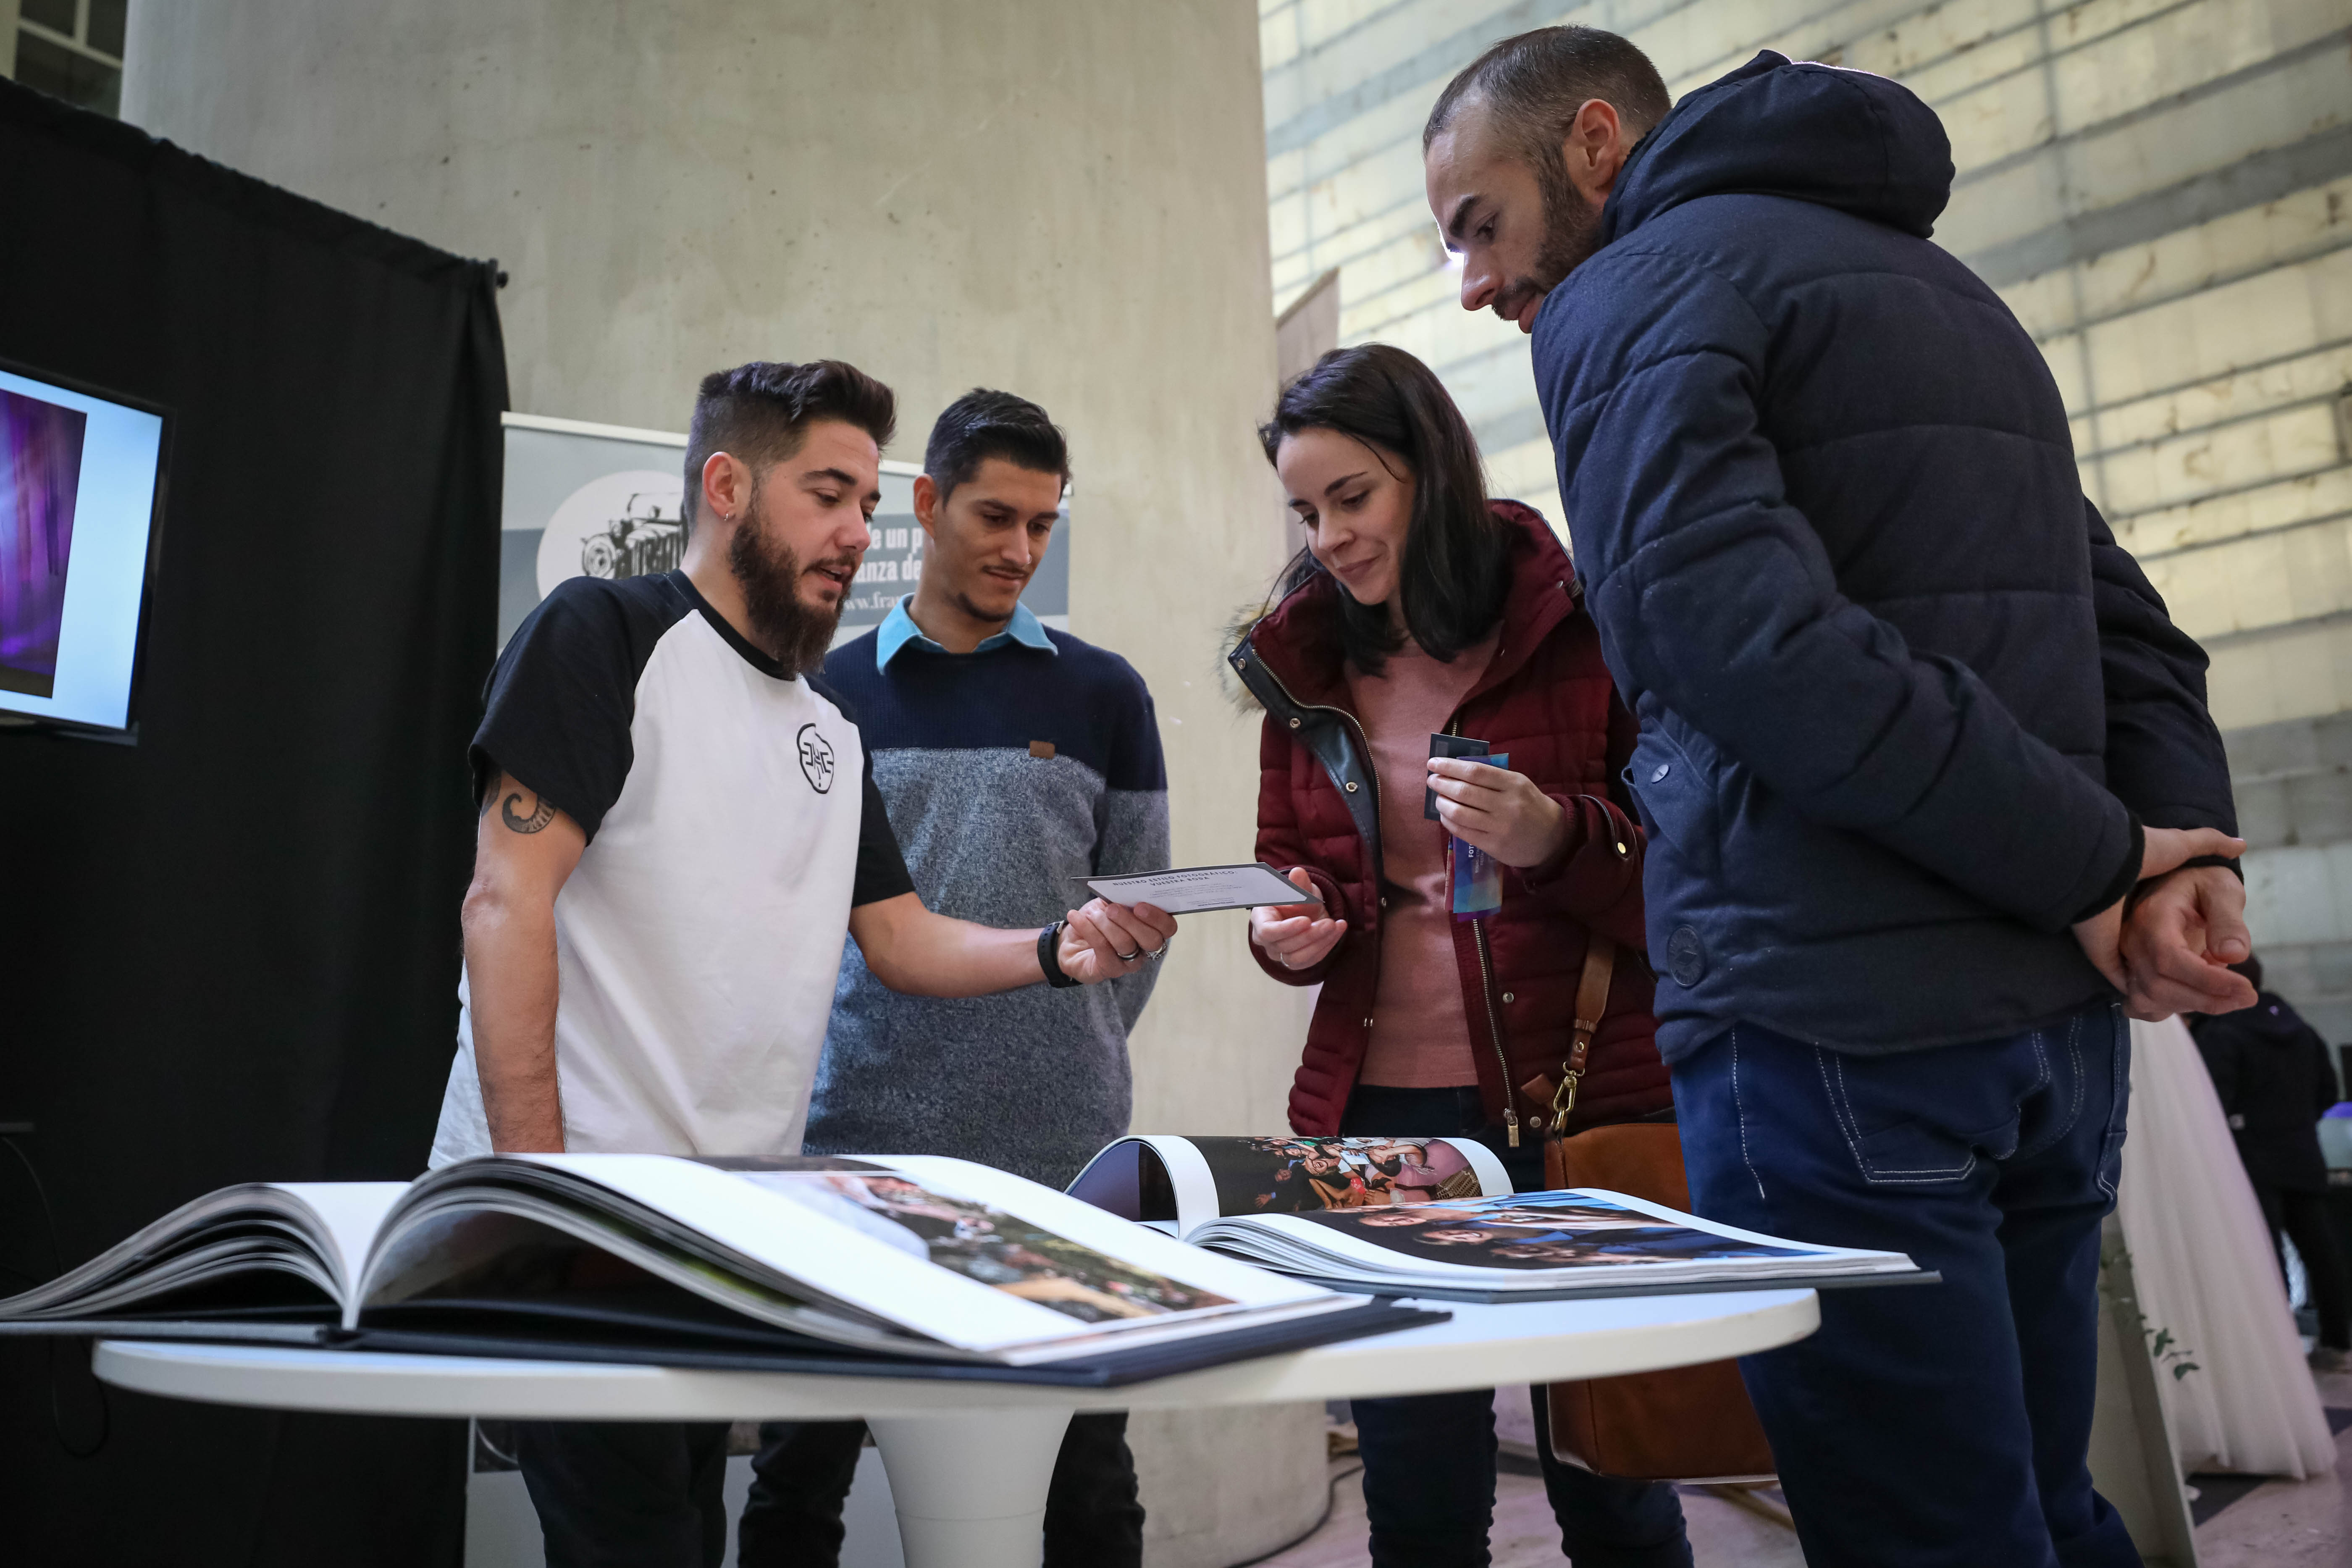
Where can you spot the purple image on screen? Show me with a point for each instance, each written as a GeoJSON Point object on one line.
{"type": "Point", "coordinates": [40, 471]}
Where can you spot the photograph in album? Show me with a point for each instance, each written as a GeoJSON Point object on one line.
{"type": "Point", "coordinates": [987, 1245]}
{"type": "Point", "coordinates": [1436, 1217]}
{"type": "Point", "coordinates": [1582, 1241]}
{"type": "Point", "coordinates": [1178, 1184]}
{"type": "Point", "coordinates": [1543, 1230]}
{"type": "Point", "coordinates": [915, 1264]}
{"type": "Point", "coordinates": [1336, 1173]}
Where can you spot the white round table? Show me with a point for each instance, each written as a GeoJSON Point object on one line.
{"type": "Point", "coordinates": [968, 1462]}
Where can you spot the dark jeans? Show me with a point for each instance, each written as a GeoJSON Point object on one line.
{"type": "Point", "coordinates": [1939, 1425]}
{"type": "Point", "coordinates": [1429, 1459]}
{"type": "Point", "coordinates": [802, 1477]}
{"type": "Point", "coordinates": [2303, 1219]}
{"type": "Point", "coordinates": [627, 1494]}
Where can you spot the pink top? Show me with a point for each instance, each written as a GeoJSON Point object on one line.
{"type": "Point", "coordinates": [1420, 1035]}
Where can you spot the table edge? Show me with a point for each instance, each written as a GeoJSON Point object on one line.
{"type": "Point", "coordinates": [282, 1377]}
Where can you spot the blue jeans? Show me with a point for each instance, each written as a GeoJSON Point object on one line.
{"type": "Point", "coordinates": [1429, 1459]}
{"type": "Point", "coordinates": [1940, 1425]}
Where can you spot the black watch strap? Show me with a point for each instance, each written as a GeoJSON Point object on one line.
{"type": "Point", "coordinates": [1049, 959]}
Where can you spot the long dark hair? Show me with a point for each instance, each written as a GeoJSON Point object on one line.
{"type": "Point", "coordinates": [1457, 567]}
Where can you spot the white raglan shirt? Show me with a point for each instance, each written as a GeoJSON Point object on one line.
{"type": "Point", "coordinates": [732, 823]}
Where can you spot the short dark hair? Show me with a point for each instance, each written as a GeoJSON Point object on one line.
{"type": "Point", "coordinates": [1456, 569]}
{"type": "Point", "coordinates": [1534, 84]}
{"type": "Point", "coordinates": [981, 424]}
{"type": "Point", "coordinates": [761, 412]}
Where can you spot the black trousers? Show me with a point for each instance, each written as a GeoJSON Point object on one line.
{"type": "Point", "coordinates": [2302, 1217]}
{"type": "Point", "coordinates": [802, 1478]}
{"type": "Point", "coordinates": [627, 1494]}
{"type": "Point", "coordinates": [1429, 1459]}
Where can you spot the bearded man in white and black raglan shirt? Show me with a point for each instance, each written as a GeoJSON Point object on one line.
{"type": "Point", "coordinates": [678, 826]}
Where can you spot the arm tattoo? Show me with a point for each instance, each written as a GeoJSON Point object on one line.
{"type": "Point", "coordinates": [543, 812]}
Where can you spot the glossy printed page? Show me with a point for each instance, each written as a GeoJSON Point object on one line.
{"type": "Point", "coordinates": [348, 1214]}
{"type": "Point", "coordinates": [969, 1258]}
{"type": "Point", "coordinates": [1181, 1184]}
{"type": "Point", "coordinates": [989, 1245]}
{"type": "Point", "coordinates": [1307, 1176]}
{"type": "Point", "coordinates": [1088, 1226]}
{"type": "Point", "coordinates": [1542, 1240]}
{"type": "Point", "coordinates": [316, 1231]}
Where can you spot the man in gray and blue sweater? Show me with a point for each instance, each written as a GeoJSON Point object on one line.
{"type": "Point", "coordinates": [1012, 758]}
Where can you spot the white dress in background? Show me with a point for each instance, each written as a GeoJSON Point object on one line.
{"type": "Point", "coordinates": [2205, 1272]}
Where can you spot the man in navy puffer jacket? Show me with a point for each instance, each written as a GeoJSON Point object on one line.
{"type": "Point", "coordinates": [1913, 729]}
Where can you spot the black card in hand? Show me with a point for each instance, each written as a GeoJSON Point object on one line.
{"type": "Point", "coordinates": [1450, 746]}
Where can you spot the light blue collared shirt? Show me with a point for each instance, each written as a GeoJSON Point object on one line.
{"type": "Point", "coordinates": [899, 629]}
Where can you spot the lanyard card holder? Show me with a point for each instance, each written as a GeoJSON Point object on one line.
{"type": "Point", "coordinates": [1449, 746]}
{"type": "Point", "coordinates": [1478, 876]}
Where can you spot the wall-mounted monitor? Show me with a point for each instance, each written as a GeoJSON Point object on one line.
{"type": "Point", "coordinates": [81, 490]}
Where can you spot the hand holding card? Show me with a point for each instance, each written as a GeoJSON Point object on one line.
{"type": "Point", "coordinates": [1504, 814]}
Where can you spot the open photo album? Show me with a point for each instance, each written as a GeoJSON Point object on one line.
{"type": "Point", "coordinates": [922, 1266]}
{"type": "Point", "coordinates": [1435, 1218]}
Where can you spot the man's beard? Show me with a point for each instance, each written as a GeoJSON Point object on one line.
{"type": "Point", "coordinates": [1571, 233]}
{"type": "Point", "coordinates": [770, 574]}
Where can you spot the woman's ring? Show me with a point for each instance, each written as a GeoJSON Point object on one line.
{"type": "Point", "coordinates": [1127, 957]}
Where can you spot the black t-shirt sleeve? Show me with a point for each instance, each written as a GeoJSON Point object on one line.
{"type": "Point", "coordinates": [881, 868]}
{"type": "Point", "coordinates": [562, 698]}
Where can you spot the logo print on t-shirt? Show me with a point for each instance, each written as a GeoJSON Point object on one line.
{"type": "Point", "coordinates": [816, 759]}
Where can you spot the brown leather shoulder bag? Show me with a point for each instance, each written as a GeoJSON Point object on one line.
{"type": "Point", "coordinates": [1687, 1424]}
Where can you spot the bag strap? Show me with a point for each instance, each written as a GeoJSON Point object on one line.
{"type": "Point", "coordinates": [1592, 1002]}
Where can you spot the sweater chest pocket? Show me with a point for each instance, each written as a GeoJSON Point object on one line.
{"type": "Point", "coordinates": [1678, 800]}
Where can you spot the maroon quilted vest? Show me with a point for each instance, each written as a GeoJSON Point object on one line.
{"type": "Point", "coordinates": [1548, 699]}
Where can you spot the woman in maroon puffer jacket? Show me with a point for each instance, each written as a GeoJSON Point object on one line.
{"type": "Point", "coordinates": [1422, 607]}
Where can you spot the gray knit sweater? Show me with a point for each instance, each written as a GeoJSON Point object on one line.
{"type": "Point", "coordinates": [1007, 773]}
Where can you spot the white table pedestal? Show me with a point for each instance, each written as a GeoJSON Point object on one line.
{"type": "Point", "coordinates": [971, 1489]}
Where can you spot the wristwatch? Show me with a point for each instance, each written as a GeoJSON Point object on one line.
{"type": "Point", "coordinates": [1050, 960]}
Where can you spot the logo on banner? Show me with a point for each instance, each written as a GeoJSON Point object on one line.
{"type": "Point", "coordinates": [622, 524]}
{"type": "Point", "coordinates": [816, 759]}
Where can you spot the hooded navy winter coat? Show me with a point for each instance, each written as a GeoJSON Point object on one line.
{"type": "Point", "coordinates": [1903, 702]}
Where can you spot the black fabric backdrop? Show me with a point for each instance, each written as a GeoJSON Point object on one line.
{"type": "Point", "coordinates": [230, 951]}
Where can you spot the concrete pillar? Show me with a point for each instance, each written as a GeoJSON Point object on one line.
{"type": "Point", "coordinates": [1065, 198]}
{"type": "Point", "coordinates": [1062, 197]}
